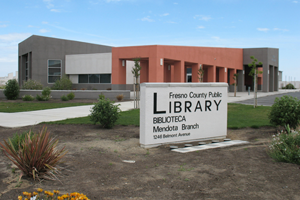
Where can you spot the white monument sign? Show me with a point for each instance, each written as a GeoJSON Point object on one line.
{"type": "Point", "coordinates": [182, 112]}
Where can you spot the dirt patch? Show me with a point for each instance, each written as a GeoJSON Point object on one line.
{"type": "Point", "coordinates": [94, 166]}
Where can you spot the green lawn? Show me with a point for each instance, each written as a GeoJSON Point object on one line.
{"type": "Point", "coordinates": [131, 117]}
{"type": "Point", "coordinates": [239, 116]}
{"type": "Point", "coordinates": [11, 107]}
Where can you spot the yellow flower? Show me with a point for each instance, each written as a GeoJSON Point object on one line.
{"type": "Point", "coordinates": [19, 197]}
{"type": "Point", "coordinates": [40, 190]}
{"type": "Point", "coordinates": [35, 193]}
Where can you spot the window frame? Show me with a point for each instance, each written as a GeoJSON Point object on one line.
{"type": "Point", "coordinates": [52, 68]}
{"type": "Point", "coordinates": [94, 74]}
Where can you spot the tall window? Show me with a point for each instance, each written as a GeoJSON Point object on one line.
{"type": "Point", "coordinates": [94, 78]}
{"type": "Point", "coordinates": [54, 70]}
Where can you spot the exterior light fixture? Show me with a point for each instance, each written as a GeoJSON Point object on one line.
{"type": "Point", "coordinates": [225, 69]}
{"type": "Point", "coordinates": [123, 63]}
{"type": "Point", "coordinates": [243, 71]}
{"type": "Point", "coordinates": [161, 61]}
{"type": "Point", "coordinates": [169, 67]}
{"type": "Point", "coordinates": [268, 71]}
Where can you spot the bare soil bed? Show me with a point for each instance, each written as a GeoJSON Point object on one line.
{"type": "Point", "coordinates": [94, 166]}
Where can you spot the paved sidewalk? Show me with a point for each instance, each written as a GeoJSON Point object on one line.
{"type": "Point", "coordinates": [20, 119]}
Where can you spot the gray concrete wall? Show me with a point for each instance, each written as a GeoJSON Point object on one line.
{"type": "Point", "coordinates": [268, 56]}
{"type": "Point", "coordinates": [45, 48]}
{"type": "Point", "coordinates": [79, 94]}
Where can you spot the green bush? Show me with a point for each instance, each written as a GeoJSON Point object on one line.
{"type": "Point", "coordinates": [289, 86]}
{"type": "Point", "coordinates": [101, 96]}
{"type": "Point", "coordinates": [64, 98]}
{"type": "Point", "coordinates": [45, 95]}
{"type": "Point", "coordinates": [71, 96]}
{"type": "Point", "coordinates": [62, 84]}
{"type": "Point", "coordinates": [32, 85]}
{"type": "Point", "coordinates": [28, 98]}
{"type": "Point", "coordinates": [285, 111]}
{"type": "Point", "coordinates": [285, 147]}
{"type": "Point", "coordinates": [105, 113]}
{"type": "Point", "coordinates": [12, 89]}
{"type": "Point", "coordinates": [18, 139]}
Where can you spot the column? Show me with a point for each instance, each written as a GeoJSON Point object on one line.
{"type": "Point", "coordinates": [179, 74]}
{"type": "Point", "coordinates": [241, 80]}
{"type": "Point", "coordinates": [271, 78]}
{"type": "Point", "coordinates": [144, 71]}
{"type": "Point", "coordinates": [118, 71]}
{"type": "Point", "coordinates": [265, 77]}
{"type": "Point", "coordinates": [195, 76]}
{"type": "Point", "coordinates": [211, 73]}
{"type": "Point", "coordinates": [156, 71]}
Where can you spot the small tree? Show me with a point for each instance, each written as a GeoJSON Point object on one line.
{"type": "Point", "coordinates": [200, 74]}
{"type": "Point", "coordinates": [254, 72]}
{"type": "Point", "coordinates": [235, 76]}
{"type": "Point", "coordinates": [136, 74]}
{"type": "Point", "coordinates": [12, 89]}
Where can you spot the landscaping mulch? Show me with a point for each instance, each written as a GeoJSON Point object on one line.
{"type": "Point", "coordinates": [94, 166]}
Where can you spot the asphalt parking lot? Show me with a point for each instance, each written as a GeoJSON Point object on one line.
{"type": "Point", "coordinates": [268, 100]}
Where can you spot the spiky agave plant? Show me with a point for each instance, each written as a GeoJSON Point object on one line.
{"type": "Point", "coordinates": [37, 156]}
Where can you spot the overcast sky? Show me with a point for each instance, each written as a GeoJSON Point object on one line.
{"type": "Point", "coordinates": [212, 23]}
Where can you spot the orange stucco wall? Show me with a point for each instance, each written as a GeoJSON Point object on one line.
{"type": "Point", "coordinates": [179, 58]}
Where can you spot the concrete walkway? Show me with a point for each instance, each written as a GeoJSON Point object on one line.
{"type": "Point", "coordinates": [20, 119]}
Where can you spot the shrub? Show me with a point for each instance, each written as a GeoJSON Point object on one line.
{"type": "Point", "coordinates": [18, 139]}
{"type": "Point", "coordinates": [12, 89]}
{"type": "Point", "coordinates": [71, 96]}
{"type": "Point", "coordinates": [39, 195]}
{"type": "Point", "coordinates": [105, 113]}
{"type": "Point", "coordinates": [64, 98]}
{"type": "Point", "coordinates": [285, 147]}
{"type": "Point", "coordinates": [32, 85]}
{"type": "Point", "coordinates": [37, 157]}
{"type": "Point", "coordinates": [284, 111]}
{"type": "Point", "coordinates": [62, 84]}
{"type": "Point", "coordinates": [45, 95]}
{"type": "Point", "coordinates": [289, 86]}
{"type": "Point", "coordinates": [120, 97]}
{"type": "Point", "coordinates": [101, 96]}
{"type": "Point", "coordinates": [28, 98]}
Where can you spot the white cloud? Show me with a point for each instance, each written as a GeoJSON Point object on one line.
{"type": "Point", "coordinates": [202, 17]}
{"type": "Point", "coordinates": [44, 30]}
{"type": "Point", "coordinates": [175, 3]}
{"type": "Point", "coordinates": [279, 29]}
{"type": "Point", "coordinates": [200, 27]}
{"type": "Point", "coordinates": [147, 19]}
{"type": "Point", "coordinates": [13, 37]}
{"type": "Point", "coordinates": [263, 29]}
{"type": "Point", "coordinates": [3, 25]}
{"type": "Point", "coordinates": [55, 10]}
{"type": "Point", "coordinates": [295, 1]}
{"type": "Point", "coordinates": [165, 14]}
{"type": "Point", "coordinates": [48, 3]}
{"type": "Point", "coordinates": [216, 38]}
{"type": "Point", "coordinates": [108, 1]}
{"type": "Point", "coordinates": [44, 22]}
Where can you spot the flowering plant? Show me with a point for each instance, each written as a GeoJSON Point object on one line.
{"type": "Point", "coordinates": [285, 146]}
{"type": "Point", "coordinates": [47, 195]}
